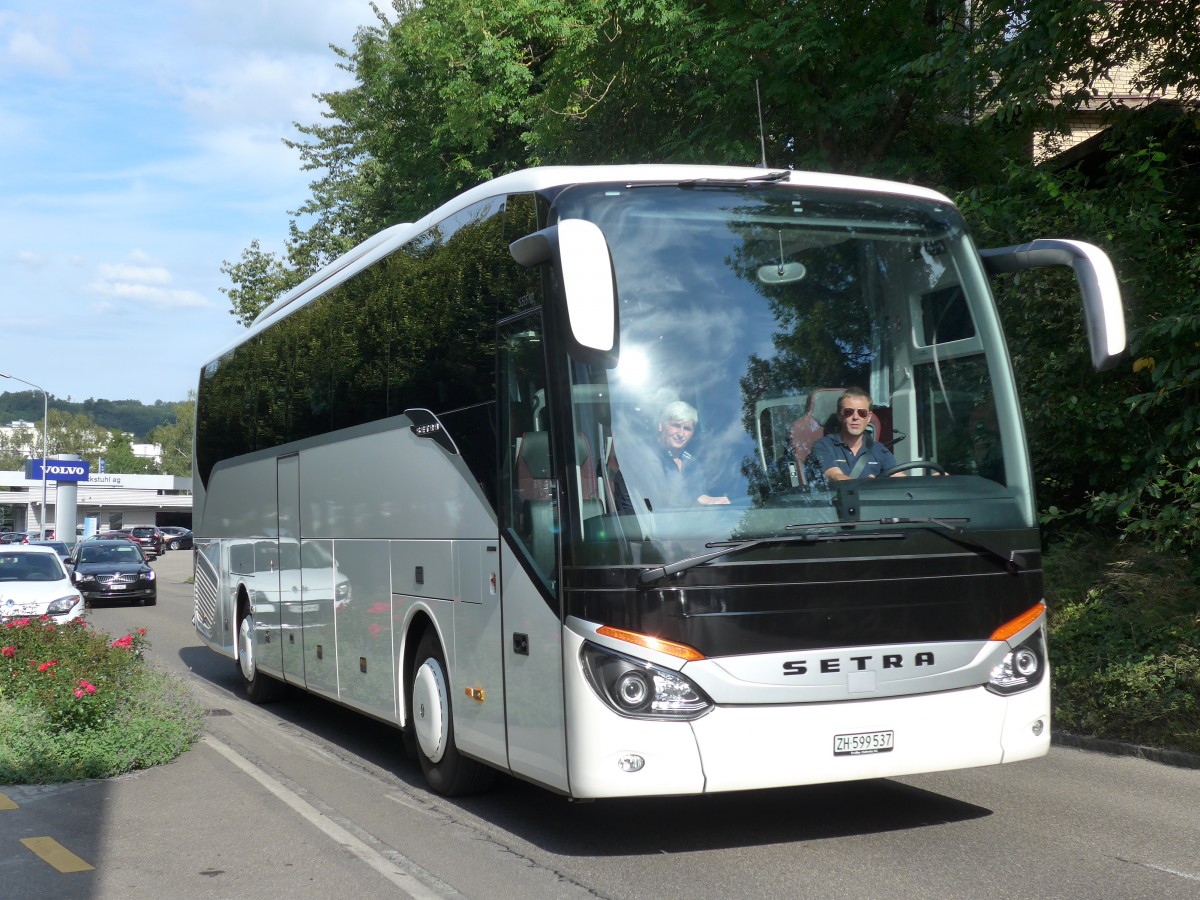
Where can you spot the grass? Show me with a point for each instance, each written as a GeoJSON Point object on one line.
{"type": "Point", "coordinates": [1124, 642]}
{"type": "Point", "coordinates": [75, 703]}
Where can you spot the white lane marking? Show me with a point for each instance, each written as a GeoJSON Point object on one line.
{"type": "Point", "coordinates": [1176, 872]}
{"type": "Point", "coordinates": [401, 879]}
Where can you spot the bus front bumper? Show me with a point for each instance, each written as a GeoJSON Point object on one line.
{"type": "Point", "coordinates": [748, 747]}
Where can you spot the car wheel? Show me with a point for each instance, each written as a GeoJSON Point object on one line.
{"type": "Point", "coordinates": [431, 719]}
{"type": "Point", "coordinates": [174, 545]}
{"type": "Point", "coordinates": [259, 688]}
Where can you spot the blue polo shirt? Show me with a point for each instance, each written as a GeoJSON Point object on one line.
{"type": "Point", "coordinates": [832, 451]}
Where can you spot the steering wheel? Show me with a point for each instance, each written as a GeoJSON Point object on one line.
{"type": "Point", "coordinates": [914, 464]}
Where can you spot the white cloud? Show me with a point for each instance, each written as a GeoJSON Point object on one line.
{"type": "Point", "coordinates": [29, 258]}
{"type": "Point", "coordinates": [158, 127]}
{"type": "Point", "coordinates": [145, 283]}
{"type": "Point", "coordinates": [27, 44]}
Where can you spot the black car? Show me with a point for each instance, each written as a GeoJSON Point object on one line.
{"type": "Point", "coordinates": [175, 538]}
{"type": "Point", "coordinates": [113, 570]}
{"type": "Point", "coordinates": [63, 551]}
{"type": "Point", "coordinates": [150, 538]}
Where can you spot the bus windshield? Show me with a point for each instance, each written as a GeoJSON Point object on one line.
{"type": "Point", "coordinates": [746, 310]}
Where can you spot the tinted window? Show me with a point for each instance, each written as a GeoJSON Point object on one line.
{"type": "Point", "coordinates": [415, 330]}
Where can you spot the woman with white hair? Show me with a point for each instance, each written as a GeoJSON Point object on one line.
{"type": "Point", "coordinates": [676, 425]}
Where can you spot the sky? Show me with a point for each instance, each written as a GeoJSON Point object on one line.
{"type": "Point", "coordinates": [141, 145]}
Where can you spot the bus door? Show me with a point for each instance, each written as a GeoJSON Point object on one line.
{"type": "Point", "coordinates": [532, 613]}
{"type": "Point", "coordinates": [286, 564]}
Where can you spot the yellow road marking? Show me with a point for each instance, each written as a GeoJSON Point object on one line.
{"type": "Point", "coordinates": [7, 802]}
{"type": "Point", "coordinates": [56, 854]}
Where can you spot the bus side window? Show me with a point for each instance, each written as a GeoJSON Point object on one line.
{"type": "Point", "coordinates": [529, 492]}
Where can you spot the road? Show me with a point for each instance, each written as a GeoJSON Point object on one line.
{"type": "Point", "coordinates": [337, 785]}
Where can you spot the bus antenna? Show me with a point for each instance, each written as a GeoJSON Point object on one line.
{"type": "Point", "coordinates": [762, 140]}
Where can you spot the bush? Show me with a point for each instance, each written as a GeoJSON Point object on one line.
{"type": "Point", "coordinates": [1124, 642]}
{"type": "Point", "coordinates": [76, 704]}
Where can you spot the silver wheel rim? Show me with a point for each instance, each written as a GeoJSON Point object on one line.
{"type": "Point", "coordinates": [431, 713]}
{"type": "Point", "coordinates": [246, 647]}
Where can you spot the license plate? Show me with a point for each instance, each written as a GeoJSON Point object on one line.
{"type": "Point", "coordinates": [865, 742]}
{"type": "Point", "coordinates": [117, 587]}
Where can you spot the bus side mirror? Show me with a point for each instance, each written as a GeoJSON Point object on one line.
{"type": "Point", "coordinates": [1102, 309]}
{"type": "Point", "coordinates": [583, 268]}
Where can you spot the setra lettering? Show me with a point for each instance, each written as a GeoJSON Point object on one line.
{"type": "Point", "coordinates": [835, 664]}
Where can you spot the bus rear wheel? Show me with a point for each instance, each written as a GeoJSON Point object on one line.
{"type": "Point", "coordinates": [259, 688]}
{"type": "Point", "coordinates": [431, 720]}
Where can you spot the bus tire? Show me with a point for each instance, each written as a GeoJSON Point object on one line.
{"type": "Point", "coordinates": [259, 688]}
{"type": "Point", "coordinates": [431, 721]}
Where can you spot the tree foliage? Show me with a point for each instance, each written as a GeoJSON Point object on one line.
{"type": "Point", "coordinates": [96, 428]}
{"type": "Point", "coordinates": [175, 438]}
{"type": "Point", "coordinates": [451, 93]}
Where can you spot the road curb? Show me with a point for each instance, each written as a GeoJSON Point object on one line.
{"type": "Point", "coordinates": [1179, 758]}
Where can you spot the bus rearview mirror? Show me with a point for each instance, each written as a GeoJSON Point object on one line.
{"type": "Point", "coordinates": [1097, 281]}
{"type": "Point", "coordinates": [579, 253]}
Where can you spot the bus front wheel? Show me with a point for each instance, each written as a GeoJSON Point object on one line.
{"type": "Point", "coordinates": [431, 720]}
{"type": "Point", "coordinates": [259, 688]}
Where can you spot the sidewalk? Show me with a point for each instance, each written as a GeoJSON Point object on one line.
{"type": "Point", "coordinates": [196, 828]}
{"type": "Point", "coordinates": [208, 825]}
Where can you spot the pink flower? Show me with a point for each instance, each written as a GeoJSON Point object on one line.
{"type": "Point", "coordinates": [10, 652]}
{"type": "Point", "coordinates": [85, 687]}
{"type": "Point", "coordinates": [124, 643]}
{"type": "Point", "coordinates": [47, 666]}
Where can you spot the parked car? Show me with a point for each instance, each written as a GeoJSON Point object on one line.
{"type": "Point", "coordinates": [150, 538]}
{"type": "Point", "coordinates": [33, 582]}
{"type": "Point", "coordinates": [58, 547]}
{"type": "Point", "coordinates": [177, 538]}
{"type": "Point", "coordinates": [15, 537]}
{"type": "Point", "coordinates": [115, 536]}
{"type": "Point", "coordinates": [113, 570]}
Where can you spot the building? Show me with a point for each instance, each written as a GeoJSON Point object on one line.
{"type": "Point", "coordinates": [111, 501]}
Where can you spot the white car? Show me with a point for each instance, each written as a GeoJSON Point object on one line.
{"type": "Point", "coordinates": [34, 583]}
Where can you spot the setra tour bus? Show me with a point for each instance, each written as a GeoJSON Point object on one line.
{"type": "Point", "coordinates": [532, 479]}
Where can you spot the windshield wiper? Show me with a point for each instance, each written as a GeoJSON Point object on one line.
{"type": "Point", "coordinates": [656, 573]}
{"type": "Point", "coordinates": [1013, 560]}
{"type": "Point", "coordinates": [765, 177]}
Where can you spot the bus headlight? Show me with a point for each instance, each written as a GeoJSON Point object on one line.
{"type": "Point", "coordinates": [636, 688]}
{"type": "Point", "coordinates": [1022, 667]}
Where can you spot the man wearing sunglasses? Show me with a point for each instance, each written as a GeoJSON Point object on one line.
{"type": "Point", "coordinates": [853, 451]}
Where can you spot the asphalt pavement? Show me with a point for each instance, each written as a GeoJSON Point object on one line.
{"type": "Point", "coordinates": [214, 823]}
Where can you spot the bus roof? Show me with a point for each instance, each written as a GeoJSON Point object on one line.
{"type": "Point", "coordinates": [542, 178]}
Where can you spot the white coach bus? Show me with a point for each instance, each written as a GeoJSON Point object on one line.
{"type": "Point", "coordinates": [530, 479]}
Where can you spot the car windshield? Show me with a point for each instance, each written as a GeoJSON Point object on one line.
{"type": "Point", "coordinates": [30, 567]}
{"type": "Point", "coordinates": [110, 554]}
{"type": "Point", "coordinates": [745, 312]}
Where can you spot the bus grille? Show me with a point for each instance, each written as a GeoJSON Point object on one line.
{"type": "Point", "coordinates": [206, 596]}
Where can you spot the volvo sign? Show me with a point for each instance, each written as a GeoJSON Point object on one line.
{"type": "Point", "coordinates": [56, 470]}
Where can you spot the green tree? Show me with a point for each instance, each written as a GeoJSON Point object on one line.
{"type": "Point", "coordinates": [175, 438]}
{"type": "Point", "coordinates": [15, 447]}
{"type": "Point", "coordinates": [259, 278]}
{"type": "Point", "coordinates": [119, 457]}
{"type": "Point", "coordinates": [450, 93]}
